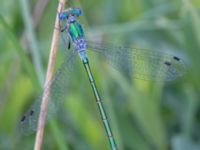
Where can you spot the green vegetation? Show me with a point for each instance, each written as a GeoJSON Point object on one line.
{"type": "Point", "coordinates": [144, 115]}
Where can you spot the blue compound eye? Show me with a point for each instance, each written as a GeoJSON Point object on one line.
{"type": "Point", "coordinates": [60, 16]}
{"type": "Point", "coordinates": [78, 11]}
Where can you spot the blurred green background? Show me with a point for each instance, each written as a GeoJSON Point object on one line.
{"type": "Point", "coordinates": [143, 115]}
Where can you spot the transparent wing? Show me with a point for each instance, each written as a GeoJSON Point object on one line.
{"type": "Point", "coordinates": [58, 87]}
{"type": "Point", "coordinates": [142, 64]}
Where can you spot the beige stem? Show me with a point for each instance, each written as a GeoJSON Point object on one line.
{"type": "Point", "coordinates": [49, 74]}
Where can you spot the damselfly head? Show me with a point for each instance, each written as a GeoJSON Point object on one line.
{"type": "Point", "coordinates": [69, 12]}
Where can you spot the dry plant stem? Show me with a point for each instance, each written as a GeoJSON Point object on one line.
{"type": "Point", "coordinates": [37, 13]}
{"type": "Point", "coordinates": [51, 63]}
{"type": "Point", "coordinates": [34, 48]}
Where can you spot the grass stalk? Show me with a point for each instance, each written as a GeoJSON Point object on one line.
{"type": "Point", "coordinates": [32, 40]}
{"type": "Point", "coordinates": [38, 10]}
{"type": "Point", "coordinates": [27, 65]}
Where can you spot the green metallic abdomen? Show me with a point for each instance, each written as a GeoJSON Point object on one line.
{"type": "Point", "coordinates": [75, 31]}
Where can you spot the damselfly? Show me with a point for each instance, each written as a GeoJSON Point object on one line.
{"type": "Point", "coordinates": [142, 64]}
